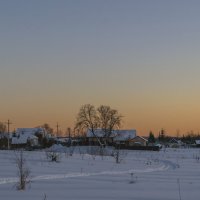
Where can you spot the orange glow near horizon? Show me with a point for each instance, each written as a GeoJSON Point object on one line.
{"type": "Point", "coordinates": [139, 58]}
{"type": "Point", "coordinates": [143, 120]}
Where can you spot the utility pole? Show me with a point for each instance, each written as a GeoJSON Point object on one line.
{"type": "Point", "coordinates": [57, 126]}
{"type": "Point", "coordinates": [8, 126]}
{"type": "Point", "coordinates": [69, 132]}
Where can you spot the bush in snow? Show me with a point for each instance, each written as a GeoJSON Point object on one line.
{"type": "Point", "coordinates": [118, 155]}
{"type": "Point", "coordinates": [53, 154]}
{"type": "Point", "coordinates": [23, 171]}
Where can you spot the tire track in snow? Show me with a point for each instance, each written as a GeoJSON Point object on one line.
{"type": "Point", "coordinates": [8, 180]}
{"type": "Point", "coordinates": [166, 165]}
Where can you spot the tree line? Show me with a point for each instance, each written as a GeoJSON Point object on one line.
{"type": "Point", "coordinates": [163, 137]}
{"type": "Point", "coordinates": [105, 118]}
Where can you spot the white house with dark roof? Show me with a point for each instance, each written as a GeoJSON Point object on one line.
{"type": "Point", "coordinates": [23, 136]}
{"type": "Point", "coordinates": [117, 136]}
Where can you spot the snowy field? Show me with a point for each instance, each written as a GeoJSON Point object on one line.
{"type": "Point", "coordinates": [141, 175]}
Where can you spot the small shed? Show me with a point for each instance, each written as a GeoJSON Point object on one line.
{"type": "Point", "coordinates": [137, 141]}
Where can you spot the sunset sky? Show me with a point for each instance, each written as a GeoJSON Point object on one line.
{"type": "Point", "coordinates": [140, 57]}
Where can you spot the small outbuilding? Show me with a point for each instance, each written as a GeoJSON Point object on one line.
{"type": "Point", "coordinates": [137, 141]}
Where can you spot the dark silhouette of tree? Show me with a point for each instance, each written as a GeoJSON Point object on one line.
{"type": "Point", "coordinates": [2, 127]}
{"type": "Point", "coordinates": [47, 127]}
{"type": "Point", "coordinates": [108, 120]}
{"type": "Point", "coordinates": [162, 135]}
{"type": "Point", "coordinates": [3, 138]}
{"type": "Point", "coordinates": [104, 117]}
{"type": "Point", "coordinates": [190, 137]}
{"type": "Point", "coordinates": [43, 139]}
{"type": "Point", "coordinates": [151, 138]}
{"type": "Point", "coordinates": [87, 119]}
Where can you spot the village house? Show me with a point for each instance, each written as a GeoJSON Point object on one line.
{"type": "Point", "coordinates": [137, 141]}
{"type": "Point", "coordinates": [97, 137]}
{"type": "Point", "coordinates": [27, 137]}
{"type": "Point", "coordinates": [123, 136]}
{"type": "Point", "coordinates": [117, 137]}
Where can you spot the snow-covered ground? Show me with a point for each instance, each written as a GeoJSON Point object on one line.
{"type": "Point", "coordinates": [141, 175]}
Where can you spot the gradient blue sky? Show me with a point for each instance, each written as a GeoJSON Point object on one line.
{"type": "Point", "coordinates": [140, 57]}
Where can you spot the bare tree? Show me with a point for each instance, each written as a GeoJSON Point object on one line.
{"type": "Point", "coordinates": [87, 119]}
{"type": "Point", "coordinates": [3, 138]}
{"type": "Point", "coordinates": [23, 171]}
{"type": "Point", "coordinates": [2, 127]}
{"type": "Point", "coordinates": [47, 127]}
{"type": "Point", "coordinates": [118, 155]}
{"type": "Point", "coordinates": [109, 119]}
{"type": "Point", "coordinates": [104, 117]}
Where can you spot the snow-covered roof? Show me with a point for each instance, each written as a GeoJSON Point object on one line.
{"type": "Point", "coordinates": [97, 133]}
{"type": "Point", "coordinates": [22, 139]}
{"type": "Point", "coordinates": [142, 138]}
{"type": "Point", "coordinates": [123, 135]}
{"type": "Point", "coordinates": [173, 140]}
{"type": "Point", "coordinates": [24, 134]}
{"type": "Point", "coordinates": [176, 141]}
{"type": "Point", "coordinates": [117, 135]}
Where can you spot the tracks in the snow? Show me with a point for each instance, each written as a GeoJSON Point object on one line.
{"type": "Point", "coordinates": [166, 165]}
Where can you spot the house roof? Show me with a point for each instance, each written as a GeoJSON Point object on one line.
{"type": "Point", "coordinates": [24, 134]}
{"type": "Point", "coordinates": [174, 140]}
{"type": "Point", "coordinates": [22, 139]}
{"type": "Point", "coordinates": [123, 135]}
{"type": "Point", "coordinates": [142, 138]}
{"type": "Point", "coordinates": [97, 133]}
